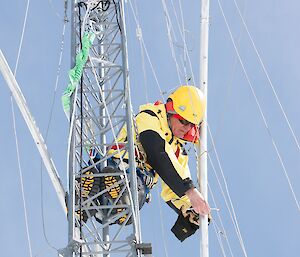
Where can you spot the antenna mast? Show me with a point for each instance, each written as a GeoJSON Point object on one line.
{"type": "Point", "coordinates": [202, 148]}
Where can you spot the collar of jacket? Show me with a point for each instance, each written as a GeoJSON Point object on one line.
{"type": "Point", "coordinates": [160, 112]}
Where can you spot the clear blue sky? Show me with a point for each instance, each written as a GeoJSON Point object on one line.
{"type": "Point", "coordinates": [266, 211]}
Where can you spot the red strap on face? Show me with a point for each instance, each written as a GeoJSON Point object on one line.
{"type": "Point", "coordinates": [192, 135]}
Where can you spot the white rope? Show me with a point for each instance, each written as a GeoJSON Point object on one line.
{"type": "Point", "coordinates": [16, 137]}
{"type": "Point", "coordinates": [260, 110]}
{"type": "Point", "coordinates": [268, 77]}
{"type": "Point", "coordinates": [146, 51]}
{"type": "Point", "coordinates": [231, 208]}
{"type": "Point", "coordinates": [186, 51]}
{"type": "Point", "coordinates": [47, 131]}
{"type": "Point", "coordinates": [71, 130]}
{"type": "Point", "coordinates": [21, 178]}
{"type": "Point", "coordinates": [176, 16]}
{"type": "Point", "coordinates": [42, 212]}
{"type": "Point", "coordinates": [60, 57]}
{"type": "Point", "coordinates": [183, 37]}
{"type": "Point", "coordinates": [229, 84]}
{"type": "Point", "coordinates": [144, 71]}
{"type": "Point", "coordinates": [217, 232]}
{"type": "Point", "coordinates": [139, 37]}
{"type": "Point", "coordinates": [162, 93]}
{"type": "Point", "coordinates": [169, 28]}
{"type": "Point", "coordinates": [221, 231]}
{"type": "Point", "coordinates": [162, 226]}
{"type": "Point", "coordinates": [22, 37]}
{"type": "Point", "coordinates": [182, 30]}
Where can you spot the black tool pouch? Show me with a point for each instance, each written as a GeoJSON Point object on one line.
{"type": "Point", "coordinates": [183, 228]}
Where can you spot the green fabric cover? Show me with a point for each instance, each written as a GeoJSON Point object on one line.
{"type": "Point", "coordinates": [76, 73]}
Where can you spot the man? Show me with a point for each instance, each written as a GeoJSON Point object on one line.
{"type": "Point", "coordinates": [161, 131]}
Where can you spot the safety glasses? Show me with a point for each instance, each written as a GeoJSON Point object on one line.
{"type": "Point", "coordinates": [185, 122]}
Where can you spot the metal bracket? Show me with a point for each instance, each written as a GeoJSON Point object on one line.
{"type": "Point", "coordinates": [145, 248]}
{"type": "Point", "coordinates": [72, 247]}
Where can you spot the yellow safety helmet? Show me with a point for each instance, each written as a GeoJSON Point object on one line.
{"type": "Point", "coordinates": [189, 102]}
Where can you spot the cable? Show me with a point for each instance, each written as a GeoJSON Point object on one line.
{"type": "Point", "coordinates": [185, 48]}
{"type": "Point", "coordinates": [117, 9]}
{"type": "Point", "coordinates": [182, 34]}
{"type": "Point", "coordinates": [222, 230]}
{"type": "Point", "coordinates": [268, 77]}
{"type": "Point", "coordinates": [15, 133]}
{"type": "Point", "coordinates": [146, 51]}
{"type": "Point", "coordinates": [232, 214]}
{"type": "Point", "coordinates": [218, 237]}
{"type": "Point", "coordinates": [147, 54]}
{"type": "Point", "coordinates": [139, 37]}
{"type": "Point", "coordinates": [168, 23]}
{"type": "Point", "coordinates": [162, 224]}
{"type": "Point", "coordinates": [48, 127]}
{"type": "Point", "coordinates": [186, 51]}
{"type": "Point", "coordinates": [22, 37]}
{"type": "Point", "coordinates": [260, 110]}
{"type": "Point", "coordinates": [144, 71]}
{"type": "Point", "coordinates": [21, 178]}
{"type": "Point", "coordinates": [162, 93]}
{"type": "Point", "coordinates": [42, 211]}
{"type": "Point", "coordinates": [229, 84]}
{"type": "Point", "coordinates": [56, 80]}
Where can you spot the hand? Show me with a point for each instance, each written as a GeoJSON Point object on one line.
{"type": "Point", "coordinates": [199, 204]}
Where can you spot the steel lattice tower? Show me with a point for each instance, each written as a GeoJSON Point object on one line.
{"type": "Point", "coordinates": [101, 108]}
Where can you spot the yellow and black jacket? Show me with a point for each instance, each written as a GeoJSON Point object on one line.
{"type": "Point", "coordinates": [164, 154]}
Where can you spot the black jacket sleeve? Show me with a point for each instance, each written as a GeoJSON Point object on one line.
{"type": "Point", "coordinates": [157, 157]}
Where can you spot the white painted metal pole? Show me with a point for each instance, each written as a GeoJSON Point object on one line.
{"type": "Point", "coordinates": [34, 130]}
{"type": "Point", "coordinates": [202, 153]}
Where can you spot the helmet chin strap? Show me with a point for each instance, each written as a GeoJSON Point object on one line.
{"type": "Point", "coordinates": [191, 136]}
